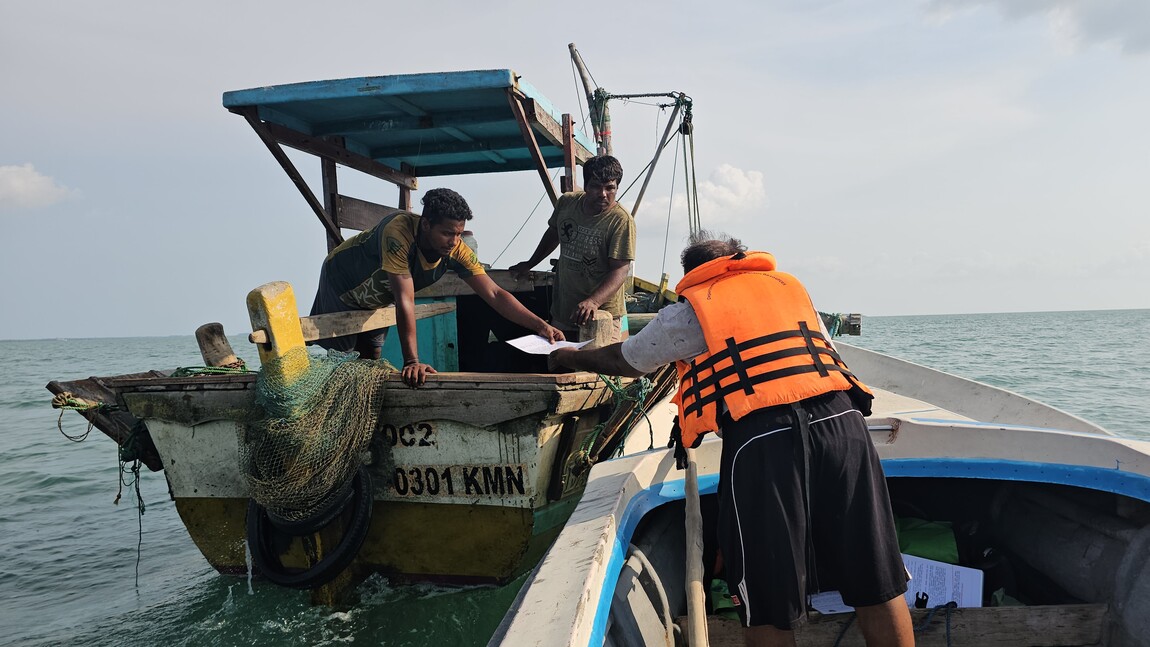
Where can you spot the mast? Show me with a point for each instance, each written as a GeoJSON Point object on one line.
{"type": "Point", "coordinates": [596, 104]}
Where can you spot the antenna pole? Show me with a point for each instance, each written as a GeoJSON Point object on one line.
{"type": "Point", "coordinates": [596, 105]}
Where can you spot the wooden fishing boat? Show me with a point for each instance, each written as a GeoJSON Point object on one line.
{"type": "Point", "coordinates": [1051, 511]}
{"type": "Point", "coordinates": [467, 479]}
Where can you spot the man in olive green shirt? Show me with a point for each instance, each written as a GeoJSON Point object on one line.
{"type": "Point", "coordinates": [596, 240]}
{"type": "Point", "coordinates": [401, 255]}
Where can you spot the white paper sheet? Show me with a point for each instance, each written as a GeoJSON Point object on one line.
{"type": "Point", "coordinates": [941, 582]}
{"type": "Point", "coordinates": [539, 345]}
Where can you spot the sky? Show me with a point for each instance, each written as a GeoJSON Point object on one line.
{"type": "Point", "coordinates": [901, 157]}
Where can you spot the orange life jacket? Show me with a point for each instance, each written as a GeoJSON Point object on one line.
{"type": "Point", "coordinates": [765, 346]}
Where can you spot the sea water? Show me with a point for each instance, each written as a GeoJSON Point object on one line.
{"type": "Point", "coordinates": [82, 570]}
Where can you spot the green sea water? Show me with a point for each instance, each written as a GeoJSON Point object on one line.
{"type": "Point", "coordinates": [82, 570]}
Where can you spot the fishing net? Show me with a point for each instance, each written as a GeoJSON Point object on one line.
{"type": "Point", "coordinates": [299, 459]}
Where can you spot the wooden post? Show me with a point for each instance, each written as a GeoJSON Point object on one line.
{"type": "Point", "coordinates": [599, 330]}
{"type": "Point", "coordinates": [660, 295]}
{"type": "Point", "coordinates": [330, 198]}
{"type": "Point", "coordinates": [214, 346]}
{"type": "Point", "coordinates": [696, 602]}
{"type": "Point", "coordinates": [532, 144]}
{"type": "Point", "coordinates": [568, 183]}
{"type": "Point", "coordinates": [272, 308]}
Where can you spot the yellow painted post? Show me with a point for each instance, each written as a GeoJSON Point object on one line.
{"type": "Point", "coordinates": [272, 309]}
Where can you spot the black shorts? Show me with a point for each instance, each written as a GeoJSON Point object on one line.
{"type": "Point", "coordinates": [763, 523]}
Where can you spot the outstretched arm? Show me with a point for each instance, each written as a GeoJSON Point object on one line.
{"type": "Point", "coordinates": [607, 360]}
{"type": "Point", "coordinates": [510, 308]}
{"type": "Point", "coordinates": [547, 244]}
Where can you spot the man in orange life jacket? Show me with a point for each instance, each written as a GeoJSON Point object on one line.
{"type": "Point", "coordinates": [799, 476]}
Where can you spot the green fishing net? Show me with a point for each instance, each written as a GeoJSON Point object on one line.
{"type": "Point", "coordinates": [301, 456]}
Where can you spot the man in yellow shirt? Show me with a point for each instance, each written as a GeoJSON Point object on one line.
{"type": "Point", "coordinates": [401, 255]}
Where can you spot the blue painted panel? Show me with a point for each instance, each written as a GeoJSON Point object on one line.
{"type": "Point", "coordinates": [436, 341]}
{"type": "Point", "coordinates": [1113, 480]}
{"type": "Point", "coordinates": [443, 123]}
{"type": "Point", "coordinates": [371, 86]}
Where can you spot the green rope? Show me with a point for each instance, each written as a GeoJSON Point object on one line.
{"type": "Point", "coordinates": [238, 368]}
{"type": "Point", "coordinates": [637, 392]}
{"type": "Point", "coordinates": [66, 401]}
{"type": "Point", "coordinates": [127, 454]}
{"type": "Point", "coordinates": [129, 463]}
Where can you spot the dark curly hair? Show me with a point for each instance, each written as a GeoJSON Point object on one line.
{"type": "Point", "coordinates": [704, 246]}
{"type": "Point", "coordinates": [601, 170]}
{"type": "Point", "coordinates": [444, 204]}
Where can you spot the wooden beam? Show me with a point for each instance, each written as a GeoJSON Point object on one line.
{"type": "Point", "coordinates": [551, 130]}
{"type": "Point", "coordinates": [361, 215]}
{"type": "Point", "coordinates": [331, 200]}
{"type": "Point", "coordinates": [461, 144]}
{"type": "Point", "coordinates": [1063, 625]}
{"type": "Point", "coordinates": [269, 140]}
{"type": "Point", "coordinates": [338, 324]}
{"type": "Point", "coordinates": [451, 285]}
{"type": "Point", "coordinates": [473, 167]}
{"type": "Point", "coordinates": [426, 121]}
{"type": "Point", "coordinates": [529, 139]}
{"type": "Point", "coordinates": [320, 148]}
{"type": "Point", "coordinates": [405, 192]}
{"type": "Point", "coordinates": [568, 182]}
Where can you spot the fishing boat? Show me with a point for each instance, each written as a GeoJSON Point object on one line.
{"type": "Point", "coordinates": [1049, 511]}
{"type": "Point", "coordinates": [465, 480]}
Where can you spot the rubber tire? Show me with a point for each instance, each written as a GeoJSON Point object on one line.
{"type": "Point", "coordinates": [261, 534]}
{"type": "Point", "coordinates": [318, 521]}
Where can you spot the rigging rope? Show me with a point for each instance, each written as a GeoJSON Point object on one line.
{"type": "Point", "coordinates": [525, 221]}
{"type": "Point", "coordinates": [637, 391]}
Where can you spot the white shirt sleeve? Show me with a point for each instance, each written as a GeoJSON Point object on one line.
{"type": "Point", "coordinates": [674, 334]}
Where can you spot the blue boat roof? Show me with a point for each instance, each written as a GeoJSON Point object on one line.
{"type": "Point", "coordinates": [443, 123]}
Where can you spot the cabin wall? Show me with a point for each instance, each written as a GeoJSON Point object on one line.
{"type": "Point", "coordinates": [437, 341]}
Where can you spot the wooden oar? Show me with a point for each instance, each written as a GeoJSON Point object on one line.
{"type": "Point", "coordinates": [696, 604]}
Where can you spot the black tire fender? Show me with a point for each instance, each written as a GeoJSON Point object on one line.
{"type": "Point", "coordinates": [261, 533]}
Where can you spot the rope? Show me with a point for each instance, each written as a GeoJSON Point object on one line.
{"type": "Point", "coordinates": [525, 221]}
{"type": "Point", "coordinates": [670, 207]}
{"type": "Point", "coordinates": [636, 392]}
{"type": "Point", "coordinates": [67, 401]}
{"type": "Point", "coordinates": [133, 467]}
{"type": "Point", "coordinates": [235, 368]}
{"type": "Point", "coordinates": [949, 606]}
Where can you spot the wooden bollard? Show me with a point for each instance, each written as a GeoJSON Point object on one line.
{"type": "Point", "coordinates": [599, 330]}
{"type": "Point", "coordinates": [272, 309]}
{"type": "Point", "coordinates": [214, 346]}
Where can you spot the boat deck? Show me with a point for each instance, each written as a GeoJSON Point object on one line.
{"type": "Point", "coordinates": [888, 404]}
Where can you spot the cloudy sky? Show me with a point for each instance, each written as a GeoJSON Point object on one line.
{"type": "Point", "coordinates": [899, 156]}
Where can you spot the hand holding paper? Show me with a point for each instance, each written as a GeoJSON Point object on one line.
{"type": "Point", "coordinates": [538, 345]}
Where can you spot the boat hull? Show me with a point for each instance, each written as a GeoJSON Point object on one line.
{"type": "Point", "coordinates": [1059, 518]}
{"type": "Point", "coordinates": [473, 475]}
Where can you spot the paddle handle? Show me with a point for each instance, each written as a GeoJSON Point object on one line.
{"type": "Point", "coordinates": [696, 604]}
